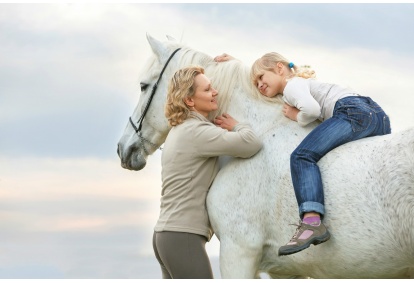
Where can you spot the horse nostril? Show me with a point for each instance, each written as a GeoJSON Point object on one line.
{"type": "Point", "coordinates": [117, 150]}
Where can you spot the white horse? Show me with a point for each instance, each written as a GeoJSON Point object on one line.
{"type": "Point", "coordinates": [368, 184]}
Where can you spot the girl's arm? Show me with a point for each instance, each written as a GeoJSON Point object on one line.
{"type": "Point", "coordinates": [297, 94]}
{"type": "Point", "coordinates": [290, 112]}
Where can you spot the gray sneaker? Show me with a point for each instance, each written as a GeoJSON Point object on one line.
{"type": "Point", "coordinates": [305, 235]}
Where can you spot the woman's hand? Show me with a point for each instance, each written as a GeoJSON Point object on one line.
{"type": "Point", "coordinates": [290, 112]}
{"type": "Point", "coordinates": [223, 57]}
{"type": "Point", "coordinates": [225, 121]}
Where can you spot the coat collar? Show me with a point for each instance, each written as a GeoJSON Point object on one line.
{"type": "Point", "coordinates": [198, 116]}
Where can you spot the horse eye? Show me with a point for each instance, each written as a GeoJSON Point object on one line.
{"type": "Point", "coordinates": [143, 86]}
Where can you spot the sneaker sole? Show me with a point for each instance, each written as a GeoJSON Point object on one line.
{"type": "Point", "coordinates": [316, 241]}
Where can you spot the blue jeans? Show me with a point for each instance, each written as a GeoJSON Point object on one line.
{"type": "Point", "coordinates": [354, 117]}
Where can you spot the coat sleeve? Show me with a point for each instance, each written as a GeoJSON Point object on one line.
{"type": "Point", "coordinates": [211, 140]}
{"type": "Point", "coordinates": [297, 93]}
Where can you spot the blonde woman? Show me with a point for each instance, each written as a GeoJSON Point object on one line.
{"type": "Point", "coordinates": [189, 165]}
{"type": "Point", "coordinates": [345, 115]}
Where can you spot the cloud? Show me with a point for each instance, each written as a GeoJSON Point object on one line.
{"type": "Point", "coordinates": [57, 195]}
{"type": "Point", "coordinates": [76, 218]}
{"type": "Point", "coordinates": [66, 89]}
{"type": "Point", "coordinates": [69, 72]}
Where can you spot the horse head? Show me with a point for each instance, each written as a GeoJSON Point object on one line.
{"type": "Point", "coordinates": [147, 127]}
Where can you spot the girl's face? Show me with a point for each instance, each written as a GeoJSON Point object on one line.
{"type": "Point", "coordinates": [271, 83]}
{"type": "Point", "coordinates": [204, 99]}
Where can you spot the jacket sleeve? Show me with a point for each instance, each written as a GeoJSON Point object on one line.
{"type": "Point", "coordinates": [211, 140]}
{"type": "Point", "coordinates": [297, 94]}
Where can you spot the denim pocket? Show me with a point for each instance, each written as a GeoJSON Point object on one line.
{"type": "Point", "coordinates": [374, 106]}
{"type": "Point", "coordinates": [360, 119]}
{"type": "Point", "coordinates": [386, 125]}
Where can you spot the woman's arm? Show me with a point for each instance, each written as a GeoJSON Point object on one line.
{"type": "Point", "coordinates": [223, 57]}
{"type": "Point", "coordinates": [225, 121]}
{"type": "Point", "coordinates": [241, 141]}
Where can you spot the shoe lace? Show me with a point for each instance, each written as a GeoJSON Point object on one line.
{"type": "Point", "coordinates": [297, 230]}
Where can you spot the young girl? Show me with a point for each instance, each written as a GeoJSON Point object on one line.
{"type": "Point", "coordinates": [346, 116]}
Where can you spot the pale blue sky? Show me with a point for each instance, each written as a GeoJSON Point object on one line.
{"type": "Point", "coordinates": [59, 72]}
{"type": "Point", "coordinates": [68, 83]}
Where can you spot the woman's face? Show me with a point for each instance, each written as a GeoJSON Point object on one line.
{"type": "Point", "coordinates": [204, 99]}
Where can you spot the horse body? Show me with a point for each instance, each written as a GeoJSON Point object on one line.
{"type": "Point", "coordinates": [368, 185]}
{"type": "Point", "coordinates": [368, 209]}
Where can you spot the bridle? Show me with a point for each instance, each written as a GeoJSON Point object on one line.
{"type": "Point", "coordinates": [154, 89]}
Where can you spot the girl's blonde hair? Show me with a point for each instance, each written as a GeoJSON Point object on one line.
{"type": "Point", "coordinates": [268, 63]}
{"type": "Point", "coordinates": [182, 85]}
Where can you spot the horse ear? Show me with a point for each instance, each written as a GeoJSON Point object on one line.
{"type": "Point", "coordinates": [170, 38]}
{"type": "Point", "coordinates": [157, 46]}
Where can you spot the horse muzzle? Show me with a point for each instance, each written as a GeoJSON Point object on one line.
{"type": "Point", "coordinates": [131, 158]}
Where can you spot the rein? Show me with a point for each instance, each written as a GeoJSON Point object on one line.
{"type": "Point", "coordinates": [154, 89]}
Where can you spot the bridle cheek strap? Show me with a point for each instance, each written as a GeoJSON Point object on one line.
{"type": "Point", "coordinates": [154, 89]}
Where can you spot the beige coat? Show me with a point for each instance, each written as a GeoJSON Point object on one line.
{"type": "Point", "coordinates": [190, 163]}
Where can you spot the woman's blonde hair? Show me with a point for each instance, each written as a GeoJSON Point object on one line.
{"type": "Point", "coordinates": [268, 63]}
{"type": "Point", "coordinates": [182, 85]}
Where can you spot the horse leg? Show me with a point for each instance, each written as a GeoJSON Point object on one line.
{"type": "Point", "coordinates": [238, 262]}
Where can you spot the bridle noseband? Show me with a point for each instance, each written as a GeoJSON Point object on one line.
{"type": "Point", "coordinates": [154, 89]}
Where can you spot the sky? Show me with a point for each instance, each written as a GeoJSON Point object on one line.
{"type": "Point", "coordinates": [68, 83]}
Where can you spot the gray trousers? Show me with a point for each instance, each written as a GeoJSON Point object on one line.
{"type": "Point", "coordinates": [182, 255]}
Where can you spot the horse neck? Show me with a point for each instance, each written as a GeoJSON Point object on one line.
{"type": "Point", "coordinates": [238, 97]}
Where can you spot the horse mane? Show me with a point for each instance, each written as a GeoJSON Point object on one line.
{"type": "Point", "coordinates": [225, 77]}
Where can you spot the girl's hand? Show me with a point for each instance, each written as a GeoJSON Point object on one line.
{"type": "Point", "coordinates": [225, 121]}
{"type": "Point", "coordinates": [290, 112]}
{"type": "Point", "coordinates": [223, 57]}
